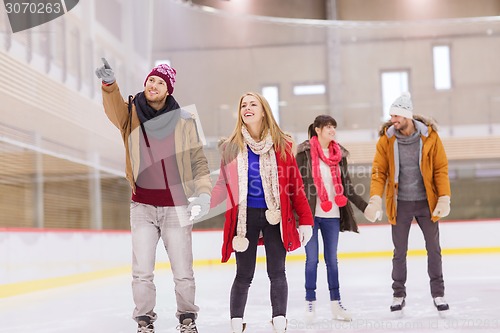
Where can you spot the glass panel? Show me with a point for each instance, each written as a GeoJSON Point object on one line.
{"type": "Point", "coordinates": [65, 194]}
{"type": "Point", "coordinates": [393, 84]}
{"type": "Point", "coordinates": [17, 167]}
{"type": "Point", "coordinates": [442, 70]}
{"type": "Point", "coordinates": [311, 89]}
{"type": "Point", "coordinates": [272, 95]}
{"type": "Point", "coordinates": [115, 195]}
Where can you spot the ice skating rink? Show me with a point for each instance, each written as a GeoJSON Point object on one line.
{"type": "Point", "coordinates": [105, 305]}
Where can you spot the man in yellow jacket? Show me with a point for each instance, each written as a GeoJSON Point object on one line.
{"type": "Point", "coordinates": [411, 164]}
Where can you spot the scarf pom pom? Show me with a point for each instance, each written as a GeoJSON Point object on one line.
{"type": "Point", "coordinates": [326, 206]}
{"type": "Point", "coordinates": [340, 200]}
{"type": "Point", "coordinates": [240, 243]}
{"type": "Point", "coordinates": [273, 216]}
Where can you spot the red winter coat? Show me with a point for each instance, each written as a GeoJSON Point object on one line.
{"type": "Point", "coordinates": [292, 198]}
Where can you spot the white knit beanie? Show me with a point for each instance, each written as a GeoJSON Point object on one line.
{"type": "Point", "coordinates": [402, 106]}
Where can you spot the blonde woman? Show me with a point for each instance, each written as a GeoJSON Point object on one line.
{"type": "Point", "coordinates": [262, 184]}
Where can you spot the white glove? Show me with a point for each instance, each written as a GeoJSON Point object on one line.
{"type": "Point", "coordinates": [199, 207]}
{"type": "Point", "coordinates": [305, 234]}
{"type": "Point", "coordinates": [373, 211]}
{"type": "Point", "coordinates": [442, 207]}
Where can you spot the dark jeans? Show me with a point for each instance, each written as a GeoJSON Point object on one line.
{"type": "Point", "coordinates": [246, 261]}
{"type": "Point", "coordinates": [330, 228]}
{"type": "Point", "coordinates": [405, 213]}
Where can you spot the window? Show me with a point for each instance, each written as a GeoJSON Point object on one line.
{"type": "Point", "coordinates": [442, 68]}
{"type": "Point", "coordinates": [74, 57]}
{"type": "Point", "coordinates": [89, 78]}
{"type": "Point", "coordinates": [393, 84]}
{"type": "Point", "coordinates": [58, 47]}
{"type": "Point", "coordinates": [310, 89]}
{"type": "Point", "coordinates": [272, 95]}
{"type": "Point", "coordinates": [7, 34]}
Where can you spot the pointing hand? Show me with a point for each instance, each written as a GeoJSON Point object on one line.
{"type": "Point", "coordinates": [105, 73]}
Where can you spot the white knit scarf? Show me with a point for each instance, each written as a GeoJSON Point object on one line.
{"type": "Point", "coordinates": [269, 175]}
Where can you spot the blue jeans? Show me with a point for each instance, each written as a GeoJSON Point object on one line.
{"type": "Point", "coordinates": [330, 228]}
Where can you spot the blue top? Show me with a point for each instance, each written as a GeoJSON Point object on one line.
{"type": "Point", "coordinates": [255, 196]}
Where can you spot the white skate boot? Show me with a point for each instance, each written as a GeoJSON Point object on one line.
{"type": "Point", "coordinates": [339, 313]}
{"type": "Point", "coordinates": [237, 325]}
{"type": "Point", "coordinates": [310, 310]}
{"type": "Point", "coordinates": [279, 324]}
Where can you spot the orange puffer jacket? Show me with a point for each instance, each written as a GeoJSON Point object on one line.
{"type": "Point", "coordinates": [433, 166]}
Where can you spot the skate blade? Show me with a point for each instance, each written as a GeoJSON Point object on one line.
{"type": "Point", "coordinates": [443, 314]}
{"type": "Point", "coordinates": [342, 318]}
{"type": "Point", "coordinates": [398, 314]}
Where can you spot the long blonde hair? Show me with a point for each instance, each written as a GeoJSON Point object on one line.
{"type": "Point", "coordinates": [282, 142]}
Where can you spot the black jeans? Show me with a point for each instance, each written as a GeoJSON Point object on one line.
{"type": "Point", "coordinates": [400, 232]}
{"type": "Point", "coordinates": [246, 261]}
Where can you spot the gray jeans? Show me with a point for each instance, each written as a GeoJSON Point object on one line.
{"type": "Point", "coordinates": [405, 213]}
{"type": "Point", "coordinates": [172, 225]}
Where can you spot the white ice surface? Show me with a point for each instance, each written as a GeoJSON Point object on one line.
{"type": "Point", "coordinates": [472, 290]}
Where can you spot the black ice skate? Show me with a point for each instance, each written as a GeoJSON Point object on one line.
{"type": "Point", "coordinates": [144, 325]}
{"type": "Point", "coordinates": [398, 303]}
{"type": "Point", "coordinates": [441, 304]}
{"type": "Point", "coordinates": [187, 324]}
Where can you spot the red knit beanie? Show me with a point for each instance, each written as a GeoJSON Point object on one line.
{"type": "Point", "coordinates": [167, 73]}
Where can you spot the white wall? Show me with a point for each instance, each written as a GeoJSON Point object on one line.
{"type": "Point", "coordinates": [35, 255]}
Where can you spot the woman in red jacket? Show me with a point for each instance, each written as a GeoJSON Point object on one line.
{"type": "Point", "coordinates": [262, 184]}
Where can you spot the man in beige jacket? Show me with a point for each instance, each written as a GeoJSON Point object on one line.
{"type": "Point", "coordinates": [165, 166]}
{"type": "Point", "coordinates": [411, 165]}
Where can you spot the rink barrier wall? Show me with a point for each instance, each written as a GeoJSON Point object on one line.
{"type": "Point", "coordinates": [37, 259]}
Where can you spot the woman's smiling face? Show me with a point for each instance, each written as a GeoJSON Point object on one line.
{"type": "Point", "coordinates": [251, 111]}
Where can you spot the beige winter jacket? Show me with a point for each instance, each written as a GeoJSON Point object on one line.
{"type": "Point", "coordinates": [191, 160]}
